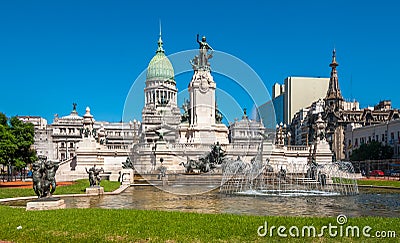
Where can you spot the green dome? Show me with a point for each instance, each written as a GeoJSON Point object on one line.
{"type": "Point", "coordinates": [160, 67]}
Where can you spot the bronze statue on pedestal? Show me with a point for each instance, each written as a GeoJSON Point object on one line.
{"type": "Point", "coordinates": [43, 175]}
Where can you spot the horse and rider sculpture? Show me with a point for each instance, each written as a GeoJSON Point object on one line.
{"type": "Point", "coordinates": [209, 162]}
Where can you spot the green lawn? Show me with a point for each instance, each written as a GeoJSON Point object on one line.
{"type": "Point", "coordinates": [113, 225]}
{"type": "Point", "coordinates": [78, 187]}
{"type": "Point", "coordinates": [392, 183]}
{"type": "Point", "coordinates": [343, 180]}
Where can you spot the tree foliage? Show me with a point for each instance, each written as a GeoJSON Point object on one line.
{"type": "Point", "coordinates": [16, 140]}
{"type": "Point", "coordinates": [372, 151]}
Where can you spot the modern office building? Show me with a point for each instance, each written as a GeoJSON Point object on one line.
{"type": "Point", "coordinates": [300, 92]}
{"type": "Point", "coordinates": [295, 94]}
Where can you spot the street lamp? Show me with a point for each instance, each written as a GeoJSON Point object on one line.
{"type": "Point", "coordinates": [9, 169]}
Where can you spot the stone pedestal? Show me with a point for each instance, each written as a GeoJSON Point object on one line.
{"type": "Point", "coordinates": [46, 204]}
{"type": "Point", "coordinates": [164, 180]}
{"type": "Point", "coordinates": [323, 154]}
{"type": "Point", "coordinates": [95, 190]}
{"type": "Point", "coordinates": [127, 176]}
{"type": "Point", "coordinates": [202, 127]}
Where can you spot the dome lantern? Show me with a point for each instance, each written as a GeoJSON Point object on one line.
{"type": "Point", "coordinates": [160, 68]}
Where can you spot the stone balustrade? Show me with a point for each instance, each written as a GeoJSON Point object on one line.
{"type": "Point", "coordinates": [297, 148]}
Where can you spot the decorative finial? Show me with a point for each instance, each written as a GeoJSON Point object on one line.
{"type": "Point", "coordinates": [334, 64]}
{"type": "Point", "coordinates": [160, 27]}
{"type": "Point", "coordinates": [244, 114]}
{"type": "Point", "coordinates": [333, 90]}
{"type": "Point", "coordinates": [160, 42]}
{"type": "Point", "coordinates": [74, 106]}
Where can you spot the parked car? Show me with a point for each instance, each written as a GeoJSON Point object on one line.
{"type": "Point", "coordinates": [376, 173]}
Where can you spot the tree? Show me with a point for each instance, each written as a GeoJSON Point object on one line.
{"type": "Point", "coordinates": [24, 137]}
{"type": "Point", "coordinates": [16, 140]}
{"type": "Point", "coordinates": [373, 150]}
{"type": "Point", "coordinates": [3, 119]}
{"type": "Point", "coordinates": [7, 145]}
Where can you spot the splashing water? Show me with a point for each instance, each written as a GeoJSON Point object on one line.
{"type": "Point", "coordinates": [288, 179]}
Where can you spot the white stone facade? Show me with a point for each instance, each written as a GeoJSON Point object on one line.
{"type": "Point", "coordinates": [246, 131]}
{"type": "Point", "coordinates": [202, 127]}
{"type": "Point", "coordinates": [81, 142]}
{"type": "Point", "coordinates": [387, 133]}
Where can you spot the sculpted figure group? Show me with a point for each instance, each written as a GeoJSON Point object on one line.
{"type": "Point", "coordinates": [200, 62]}
{"type": "Point", "coordinates": [216, 157]}
{"type": "Point", "coordinates": [94, 175]}
{"type": "Point", "coordinates": [43, 175]}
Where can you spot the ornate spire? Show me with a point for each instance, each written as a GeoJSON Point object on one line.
{"type": "Point", "coordinates": [334, 64]}
{"type": "Point", "coordinates": [160, 42]}
{"type": "Point", "coordinates": [334, 90]}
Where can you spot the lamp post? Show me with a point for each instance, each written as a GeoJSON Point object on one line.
{"type": "Point", "coordinates": [9, 170]}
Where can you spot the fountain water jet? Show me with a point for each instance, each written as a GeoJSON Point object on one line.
{"type": "Point", "coordinates": [292, 179]}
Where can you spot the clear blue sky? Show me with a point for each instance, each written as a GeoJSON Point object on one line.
{"type": "Point", "coordinates": [54, 53]}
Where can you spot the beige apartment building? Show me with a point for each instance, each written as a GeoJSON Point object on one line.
{"type": "Point", "coordinates": [295, 94]}
{"type": "Point", "coordinates": [300, 92]}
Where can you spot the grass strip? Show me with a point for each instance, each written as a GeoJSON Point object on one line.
{"type": "Point", "coordinates": [126, 225]}
{"type": "Point", "coordinates": [391, 183]}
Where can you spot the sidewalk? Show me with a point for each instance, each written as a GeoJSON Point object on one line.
{"type": "Point", "coordinates": [27, 184]}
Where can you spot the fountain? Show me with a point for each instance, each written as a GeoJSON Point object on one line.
{"type": "Point", "coordinates": [291, 179]}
